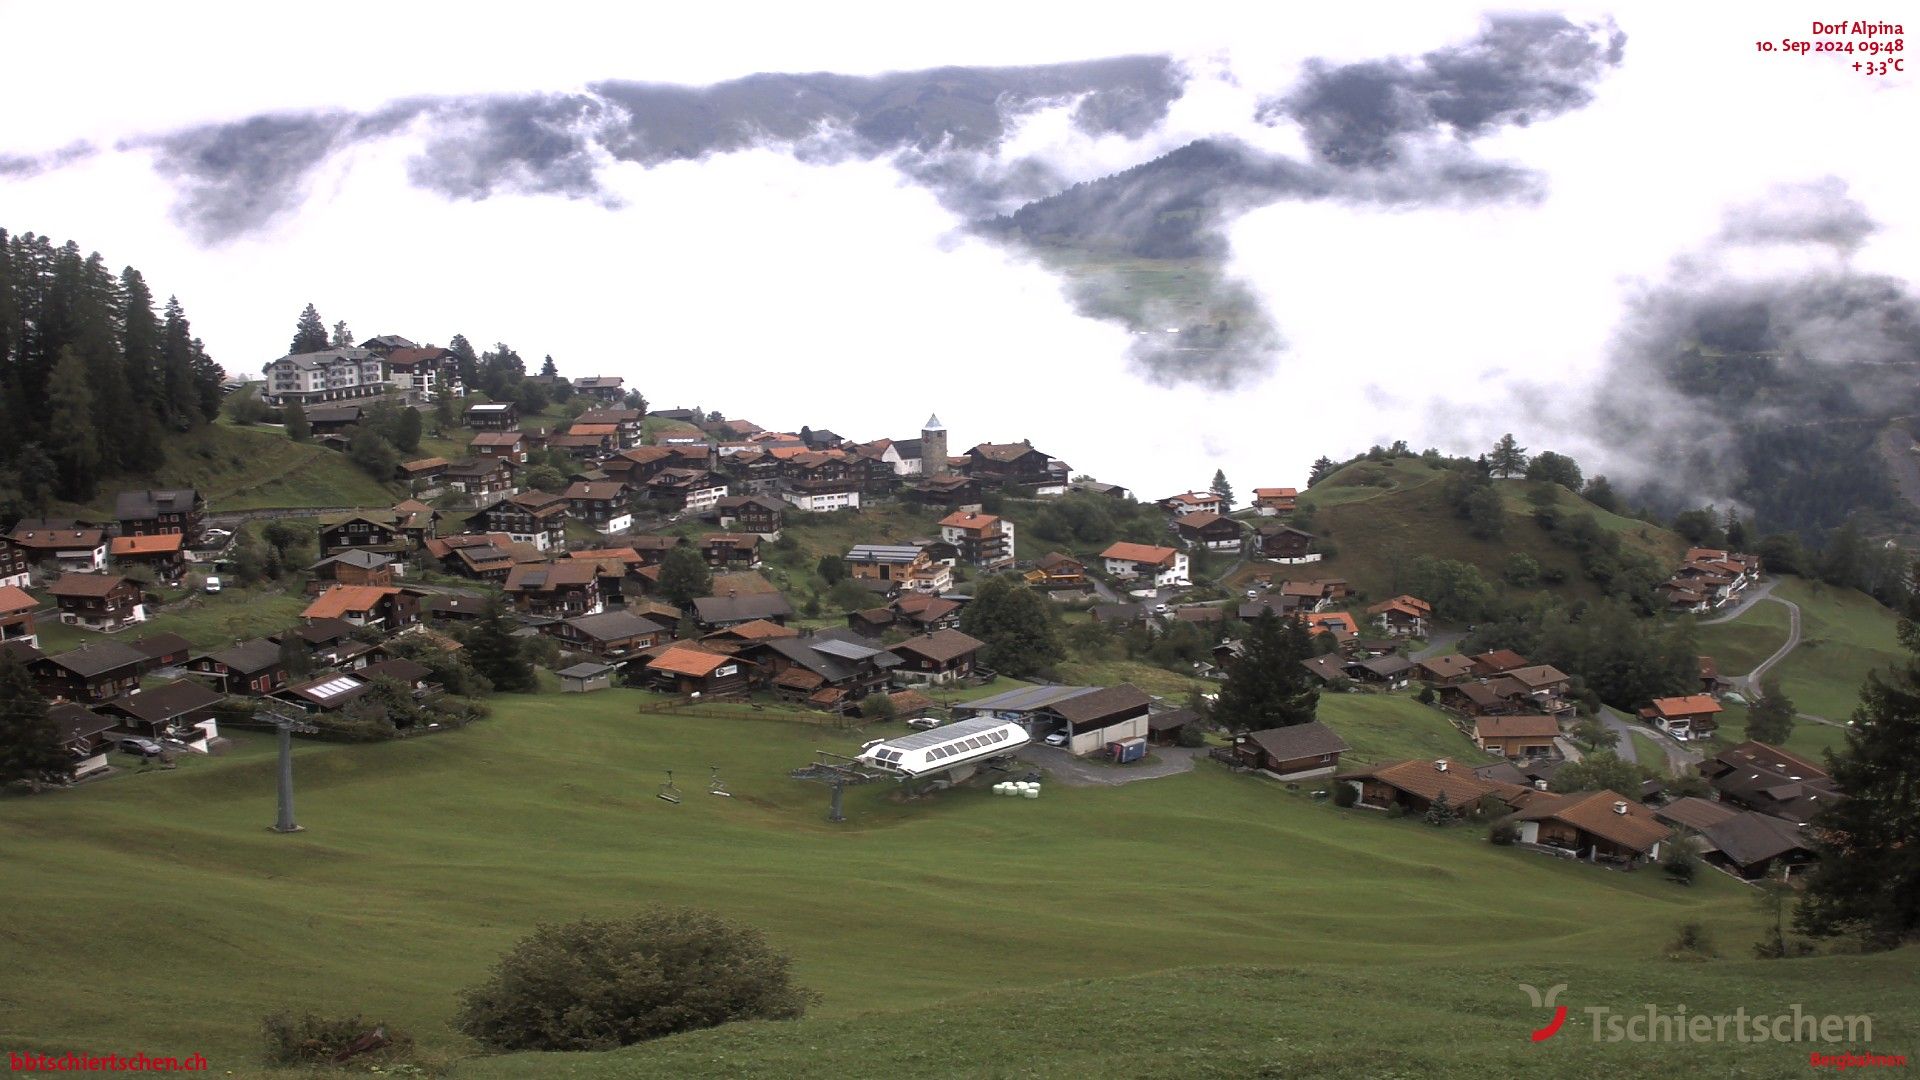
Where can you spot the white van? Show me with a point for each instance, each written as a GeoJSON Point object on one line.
{"type": "Point", "coordinates": [213, 584]}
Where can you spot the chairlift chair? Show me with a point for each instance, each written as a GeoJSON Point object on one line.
{"type": "Point", "coordinates": [669, 791]}
{"type": "Point", "coordinates": [715, 785]}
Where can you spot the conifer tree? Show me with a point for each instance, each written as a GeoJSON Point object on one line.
{"type": "Point", "coordinates": [30, 747]}
{"type": "Point", "coordinates": [493, 651]}
{"type": "Point", "coordinates": [549, 369]}
{"type": "Point", "coordinates": [1223, 489]}
{"type": "Point", "coordinates": [310, 335]}
{"type": "Point", "coordinates": [1323, 467]}
{"type": "Point", "coordinates": [295, 419]}
{"type": "Point", "coordinates": [70, 412]}
{"type": "Point", "coordinates": [1509, 458]}
{"type": "Point", "coordinates": [684, 576]}
{"type": "Point", "coordinates": [342, 337]}
{"type": "Point", "coordinates": [1266, 685]}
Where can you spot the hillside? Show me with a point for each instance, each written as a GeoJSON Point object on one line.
{"type": "Point", "coordinates": [1381, 515]}
{"type": "Point", "coordinates": [247, 468]}
{"type": "Point", "coordinates": [413, 875]}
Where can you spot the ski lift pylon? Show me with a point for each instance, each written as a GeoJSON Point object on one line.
{"type": "Point", "coordinates": [669, 791]}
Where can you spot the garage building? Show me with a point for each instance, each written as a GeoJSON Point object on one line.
{"type": "Point", "coordinates": [1089, 717]}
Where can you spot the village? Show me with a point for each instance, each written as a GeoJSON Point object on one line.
{"type": "Point", "coordinates": [659, 549]}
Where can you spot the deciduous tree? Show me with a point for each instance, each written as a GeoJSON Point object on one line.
{"type": "Point", "coordinates": [684, 576]}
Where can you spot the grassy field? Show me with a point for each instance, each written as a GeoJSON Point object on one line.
{"type": "Point", "coordinates": [245, 468]}
{"type": "Point", "coordinates": [1154, 680]}
{"type": "Point", "coordinates": [1739, 646]}
{"type": "Point", "coordinates": [424, 859]}
{"type": "Point", "coordinates": [1843, 635]}
{"type": "Point", "coordinates": [1389, 727]}
{"type": "Point", "coordinates": [206, 621]}
{"type": "Point", "coordinates": [1808, 737]}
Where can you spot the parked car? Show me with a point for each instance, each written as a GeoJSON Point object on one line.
{"type": "Point", "coordinates": [924, 722]}
{"type": "Point", "coordinates": [1058, 738]}
{"type": "Point", "coordinates": [1160, 609]}
{"type": "Point", "coordinates": [141, 745]}
{"type": "Point", "coordinates": [213, 584]}
{"type": "Point", "coordinates": [1253, 594]}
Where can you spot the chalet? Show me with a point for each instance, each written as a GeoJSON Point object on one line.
{"type": "Point", "coordinates": [1415, 785]}
{"type": "Point", "coordinates": [416, 521]}
{"type": "Point", "coordinates": [1194, 502]}
{"type": "Point", "coordinates": [1497, 662]}
{"type": "Point", "coordinates": [1525, 735]}
{"type": "Point", "coordinates": [509, 446]}
{"type": "Point", "coordinates": [328, 692]}
{"type": "Point", "coordinates": [1094, 487]}
{"type": "Point", "coordinates": [1284, 543]}
{"type": "Point", "coordinates": [494, 416]}
{"type": "Point", "coordinates": [727, 551]}
{"type": "Point", "coordinates": [423, 371]}
{"type": "Point", "coordinates": [1599, 826]}
{"type": "Point", "coordinates": [1163, 565]}
{"type": "Point", "coordinates": [940, 657]}
{"type": "Point", "coordinates": [423, 476]}
{"type": "Point", "coordinates": [253, 667]}
{"type": "Point", "coordinates": [362, 530]}
{"type": "Point", "coordinates": [92, 673]}
{"type": "Point", "coordinates": [105, 602]}
{"type": "Point", "coordinates": [914, 612]}
{"type": "Point", "coordinates": [480, 479]}
{"type": "Point", "coordinates": [160, 512]}
{"type": "Point", "coordinates": [1271, 502]}
{"type": "Point", "coordinates": [693, 491]}
{"type": "Point", "coordinates": [640, 464]}
{"type": "Point", "coordinates": [1296, 752]}
{"type": "Point", "coordinates": [1743, 842]}
{"type": "Point", "coordinates": [1204, 528]}
{"type": "Point", "coordinates": [333, 419]}
{"type": "Point", "coordinates": [715, 612]}
{"type": "Point", "coordinates": [486, 557]}
{"type": "Point", "coordinates": [1476, 698]}
{"type": "Point", "coordinates": [171, 710]}
{"type": "Point", "coordinates": [327, 375]}
{"type": "Point", "coordinates": [1057, 571]}
{"type": "Point", "coordinates": [14, 568]}
{"type": "Point", "coordinates": [1710, 681]}
{"type": "Point", "coordinates": [1402, 616]}
{"type": "Point", "coordinates": [622, 574]}
{"type": "Point", "coordinates": [952, 492]}
{"type": "Point", "coordinates": [683, 668]}
{"type": "Point", "coordinates": [446, 607]}
{"type": "Point", "coordinates": [1685, 597]}
{"type": "Point", "coordinates": [1008, 465]}
{"type": "Point", "coordinates": [1331, 669]}
{"type": "Point", "coordinates": [162, 650]}
{"type": "Point", "coordinates": [535, 518]}
{"type": "Point", "coordinates": [602, 387]}
{"type": "Point", "coordinates": [829, 670]}
{"type": "Point", "coordinates": [1390, 671]}
{"type": "Point", "coordinates": [84, 735]}
{"type": "Point", "coordinates": [1445, 670]}
{"type": "Point", "coordinates": [628, 423]}
{"type": "Point", "coordinates": [164, 556]}
{"type": "Point", "coordinates": [1770, 780]}
{"type": "Point", "coordinates": [586, 442]}
{"type": "Point", "coordinates": [1338, 623]}
{"type": "Point", "coordinates": [1541, 688]}
{"type": "Point", "coordinates": [351, 568]}
{"type": "Point", "coordinates": [751, 514]}
{"type": "Point", "coordinates": [904, 566]}
{"type": "Point", "coordinates": [818, 481]}
{"type": "Point", "coordinates": [75, 551]}
{"type": "Point", "coordinates": [1683, 717]}
{"type": "Point", "coordinates": [561, 589]}
{"type": "Point", "coordinates": [610, 634]}
{"type": "Point", "coordinates": [17, 609]}
{"type": "Point", "coordinates": [1118, 614]}
{"type": "Point", "coordinates": [390, 608]}
{"type": "Point", "coordinates": [387, 344]}
{"type": "Point", "coordinates": [604, 507]}
{"type": "Point", "coordinates": [1309, 596]}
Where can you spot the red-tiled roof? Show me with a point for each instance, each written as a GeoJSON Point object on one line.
{"type": "Point", "coordinates": [146, 545]}
{"type": "Point", "coordinates": [342, 599]}
{"type": "Point", "coordinates": [1141, 553]}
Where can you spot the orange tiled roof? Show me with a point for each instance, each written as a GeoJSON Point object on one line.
{"type": "Point", "coordinates": [14, 600]}
{"type": "Point", "coordinates": [1691, 705]}
{"type": "Point", "coordinates": [341, 599]}
{"type": "Point", "coordinates": [687, 660]}
{"type": "Point", "coordinates": [1143, 553]}
{"type": "Point", "coordinates": [146, 545]}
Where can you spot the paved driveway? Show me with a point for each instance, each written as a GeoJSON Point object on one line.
{"type": "Point", "coordinates": [1680, 760]}
{"type": "Point", "coordinates": [1076, 772]}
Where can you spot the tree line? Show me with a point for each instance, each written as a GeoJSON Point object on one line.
{"type": "Point", "coordinates": [92, 376]}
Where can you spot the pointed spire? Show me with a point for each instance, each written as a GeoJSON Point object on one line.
{"type": "Point", "coordinates": [933, 424]}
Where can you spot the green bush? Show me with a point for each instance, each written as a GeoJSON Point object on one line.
{"type": "Point", "coordinates": [1344, 795]}
{"type": "Point", "coordinates": [1192, 737]}
{"type": "Point", "coordinates": [1503, 834]}
{"type": "Point", "coordinates": [597, 984]}
{"type": "Point", "coordinates": [307, 1039]}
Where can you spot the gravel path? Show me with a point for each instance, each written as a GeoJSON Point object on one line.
{"type": "Point", "coordinates": [1066, 769]}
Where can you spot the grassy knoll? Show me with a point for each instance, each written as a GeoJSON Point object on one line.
{"type": "Point", "coordinates": [1808, 738]}
{"type": "Point", "coordinates": [1149, 677]}
{"type": "Point", "coordinates": [424, 859]}
{"type": "Point", "coordinates": [245, 468]}
{"type": "Point", "coordinates": [1649, 753]}
{"type": "Point", "coordinates": [207, 621]}
{"type": "Point", "coordinates": [1388, 727]}
{"type": "Point", "coordinates": [1843, 635]}
{"type": "Point", "coordinates": [1743, 644]}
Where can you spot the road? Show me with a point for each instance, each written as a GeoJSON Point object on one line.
{"type": "Point", "coordinates": [1680, 760]}
{"type": "Point", "coordinates": [1752, 595]}
{"type": "Point", "coordinates": [1438, 645]}
{"type": "Point", "coordinates": [1749, 684]}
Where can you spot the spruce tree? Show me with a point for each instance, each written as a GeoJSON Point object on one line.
{"type": "Point", "coordinates": [407, 431]}
{"type": "Point", "coordinates": [548, 369]}
{"type": "Point", "coordinates": [70, 413]}
{"type": "Point", "coordinates": [295, 419]}
{"type": "Point", "coordinates": [1770, 716]}
{"type": "Point", "coordinates": [469, 361]}
{"type": "Point", "coordinates": [1509, 458]}
{"type": "Point", "coordinates": [493, 651]}
{"type": "Point", "coordinates": [342, 337]}
{"type": "Point", "coordinates": [684, 576]}
{"type": "Point", "coordinates": [30, 747]}
{"type": "Point", "coordinates": [310, 335]}
{"type": "Point", "coordinates": [1323, 467]}
{"type": "Point", "coordinates": [1867, 881]}
{"type": "Point", "coordinates": [1266, 685]}
{"type": "Point", "coordinates": [1221, 488]}
{"type": "Point", "coordinates": [183, 404]}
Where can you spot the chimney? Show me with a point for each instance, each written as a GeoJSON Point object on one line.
{"type": "Point", "coordinates": [1620, 807]}
{"type": "Point", "coordinates": [1440, 765]}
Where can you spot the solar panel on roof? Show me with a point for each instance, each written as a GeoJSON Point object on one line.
{"type": "Point", "coordinates": [536, 578]}
{"type": "Point", "coordinates": [332, 688]}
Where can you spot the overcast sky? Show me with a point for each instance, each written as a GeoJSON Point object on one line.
{"type": "Point", "coordinates": [843, 294]}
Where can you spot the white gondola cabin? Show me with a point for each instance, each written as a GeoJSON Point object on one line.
{"type": "Point", "coordinates": [952, 746]}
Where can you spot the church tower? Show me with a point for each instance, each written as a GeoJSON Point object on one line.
{"type": "Point", "coordinates": [933, 448]}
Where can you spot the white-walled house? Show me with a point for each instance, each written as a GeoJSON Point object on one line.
{"type": "Point", "coordinates": [1164, 565]}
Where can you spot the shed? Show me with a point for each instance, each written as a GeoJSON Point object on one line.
{"type": "Point", "coordinates": [586, 677]}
